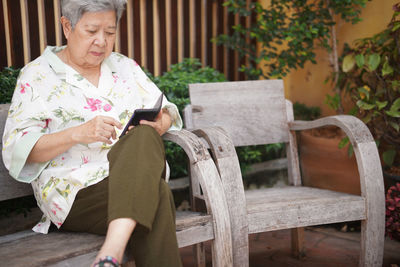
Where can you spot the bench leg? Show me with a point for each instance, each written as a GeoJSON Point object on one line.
{"type": "Point", "coordinates": [199, 254]}
{"type": "Point", "coordinates": [372, 243]}
{"type": "Point", "coordinates": [298, 249]}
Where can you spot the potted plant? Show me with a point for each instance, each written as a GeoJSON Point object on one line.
{"type": "Point", "coordinates": [370, 74]}
{"type": "Point", "coordinates": [285, 36]}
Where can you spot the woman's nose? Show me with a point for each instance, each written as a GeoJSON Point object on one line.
{"type": "Point", "coordinates": [100, 39]}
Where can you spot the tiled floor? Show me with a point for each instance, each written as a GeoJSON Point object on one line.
{"type": "Point", "coordinates": [325, 246]}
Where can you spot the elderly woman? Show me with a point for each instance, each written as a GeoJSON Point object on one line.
{"type": "Point", "coordinates": [68, 109]}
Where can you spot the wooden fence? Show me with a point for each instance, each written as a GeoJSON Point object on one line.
{"type": "Point", "coordinates": [156, 33]}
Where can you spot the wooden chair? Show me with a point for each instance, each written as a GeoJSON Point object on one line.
{"type": "Point", "coordinates": [26, 248]}
{"type": "Point", "coordinates": [255, 112]}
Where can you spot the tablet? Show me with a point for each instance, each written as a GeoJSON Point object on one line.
{"type": "Point", "coordinates": [148, 114]}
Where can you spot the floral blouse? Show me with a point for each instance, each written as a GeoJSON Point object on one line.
{"type": "Point", "coordinates": [50, 96]}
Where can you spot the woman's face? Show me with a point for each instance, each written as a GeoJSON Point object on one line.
{"type": "Point", "coordinates": [92, 39]}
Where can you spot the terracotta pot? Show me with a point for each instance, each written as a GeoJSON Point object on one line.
{"type": "Point", "coordinates": [324, 165]}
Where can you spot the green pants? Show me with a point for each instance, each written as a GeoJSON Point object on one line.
{"type": "Point", "coordinates": [134, 189]}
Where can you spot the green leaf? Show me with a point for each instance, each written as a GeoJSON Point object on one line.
{"type": "Point", "coordinates": [395, 125]}
{"type": "Point", "coordinates": [395, 27]}
{"type": "Point", "coordinates": [367, 118]}
{"type": "Point", "coordinates": [394, 114]}
{"type": "Point", "coordinates": [394, 109]}
{"type": "Point", "coordinates": [388, 156]}
{"type": "Point", "coordinates": [396, 105]}
{"type": "Point", "coordinates": [363, 105]}
{"type": "Point", "coordinates": [343, 142]}
{"type": "Point", "coordinates": [386, 69]}
{"type": "Point", "coordinates": [348, 62]}
{"type": "Point", "coordinates": [360, 60]}
{"type": "Point", "coordinates": [332, 101]}
{"type": "Point", "coordinates": [381, 105]}
{"type": "Point", "coordinates": [353, 111]}
{"type": "Point", "coordinates": [373, 61]}
{"type": "Point", "coordinates": [350, 151]}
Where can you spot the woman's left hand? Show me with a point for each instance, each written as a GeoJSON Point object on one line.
{"type": "Point", "coordinates": [161, 123]}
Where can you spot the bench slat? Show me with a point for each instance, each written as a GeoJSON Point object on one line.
{"type": "Point", "coordinates": [42, 250]}
{"type": "Point", "coordinates": [9, 188]}
{"type": "Point", "coordinates": [291, 207]}
{"type": "Point", "coordinates": [31, 249]}
{"type": "Point", "coordinates": [81, 260]}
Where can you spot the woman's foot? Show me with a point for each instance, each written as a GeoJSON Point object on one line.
{"type": "Point", "coordinates": [107, 261]}
{"type": "Point", "coordinates": [118, 233]}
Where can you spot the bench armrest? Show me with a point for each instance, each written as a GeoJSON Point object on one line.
{"type": "Point", "coordinates": [365, 148]}
{"type": "Point", "coordinates": [204, 171]}
{"type": "Point", "coordinates": [226, 160]}
{"type": "Point", "coordinates": [367, 156]}
{"type": "Point", "coordinates": [354, 128]}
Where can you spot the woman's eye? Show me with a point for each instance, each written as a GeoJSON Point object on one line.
{"type": "Point", "coordinates": [92, 32]}
{"type": "Point", "coordinates": [110, 33]}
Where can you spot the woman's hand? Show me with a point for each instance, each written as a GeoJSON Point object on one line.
{"type": "Point", "coordinates": [98, 129]}
{"type": "Point", "coordinates": [161, 123]}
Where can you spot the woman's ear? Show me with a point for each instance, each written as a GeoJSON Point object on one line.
{"type": "Point", "coordinates": [67, 27]}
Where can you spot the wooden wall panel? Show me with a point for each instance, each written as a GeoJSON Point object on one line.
{"type": "Point", "coordinates": [42, 25]}
{"type": "Point", "coordinates": [6, 36]}
{"type": "Point", "coordinates": [156, 33]}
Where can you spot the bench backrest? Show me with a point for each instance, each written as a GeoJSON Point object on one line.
{"type": "Point", "coordinates": [9, 188]}
{"type": "Point", "coordinates": [251, 112]}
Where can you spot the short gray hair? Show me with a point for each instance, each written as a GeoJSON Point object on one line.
{"type": "Point", "coordinates": [73, 10]}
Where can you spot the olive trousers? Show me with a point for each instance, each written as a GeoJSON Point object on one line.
{"type": "Point", "coordinates": [134, 189]}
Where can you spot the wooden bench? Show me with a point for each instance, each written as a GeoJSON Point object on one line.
{"type": "Point", "coordinates": [27, 248]}
{"type": "Point", "coordinates": [256, 113]}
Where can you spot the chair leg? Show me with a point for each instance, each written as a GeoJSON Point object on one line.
{"type": "Point", "coordinates": [372, 242]}
{"type": "Point", "coordinates": [199, 254]}
{"type": "Point", "coordinates": [298, 249]}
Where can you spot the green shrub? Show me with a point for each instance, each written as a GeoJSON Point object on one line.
{"type": "Point", "coordinates": [370, 75]}
{"type": "Point", "coordinates": [305, 113]}
{"type": "Point", "coordinates": [8, 80]}
{"type": "Point", "coordinates": [174, 84]}
{"type": "Point", "coordinates": [254, 154]}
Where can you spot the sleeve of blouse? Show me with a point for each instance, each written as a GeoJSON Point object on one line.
{"type": "Point", "coordinates": [152, 92]}
{"type": "Point", "coordinates": [27, 121]}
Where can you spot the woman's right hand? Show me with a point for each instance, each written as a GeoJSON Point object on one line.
{"type": "Point", "coordinates": [98, 129]}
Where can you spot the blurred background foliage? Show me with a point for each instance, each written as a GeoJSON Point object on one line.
{"type": "Point", "coordinates": [8, 80]}
{"type": "Point", "coordinates": [370, 75]}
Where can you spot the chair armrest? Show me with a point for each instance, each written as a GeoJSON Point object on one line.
{"type": "Point", "coordinates": [367, 156]}
{"type": "Point", "coordinates": [203, 169]}
{"type": "Point", "coordinates": [354, 128]}
{"type": "Point", "coordinates": [190, 143]}
{"type": "Point", "coordinates": [225, 158]}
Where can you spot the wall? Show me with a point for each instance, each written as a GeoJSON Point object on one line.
{"type": "Point", "coordinates": [307, 85]}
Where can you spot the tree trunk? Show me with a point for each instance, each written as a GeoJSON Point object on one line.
{"type": "Point", "coordinates": [335, 63]}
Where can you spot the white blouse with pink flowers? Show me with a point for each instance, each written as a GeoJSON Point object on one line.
{"type": "Point", "coordinates": [50, 96]}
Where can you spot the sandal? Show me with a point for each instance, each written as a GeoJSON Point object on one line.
{"type": "Point", "coordinates": [107, 261]}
